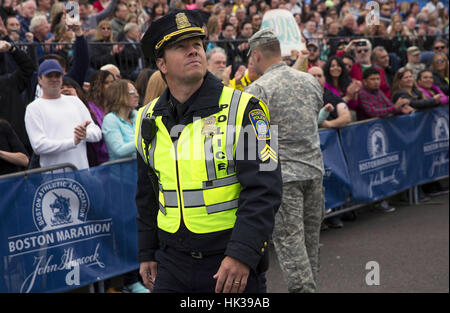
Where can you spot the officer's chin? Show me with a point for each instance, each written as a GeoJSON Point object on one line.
{"type": "Point", "coordinates": [196, 75]}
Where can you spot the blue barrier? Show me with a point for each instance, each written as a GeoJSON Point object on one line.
{"type": "Point", "coordinates": [336, 180]}
{"type": "Point", "coordinates": [66, 230]}
{"type": "Point", "coordinates": [387, 156]}
{"type": "Point", "coordinates": [63, 231]}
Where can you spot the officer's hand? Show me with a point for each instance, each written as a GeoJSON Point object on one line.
{"type": "Point", "coordinates": [148, 271]}
{"type": "Point", "coordinates": [231, 276]}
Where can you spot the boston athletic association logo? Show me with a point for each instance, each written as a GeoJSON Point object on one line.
{"type": "Point", "coordinates": [440, 129]}
{"type": "Point", "coordinates": [60, 202]}
{"type": "Point", "coordinates": [436, 150]}
{"type": "Point", "coordinates": [377, 143]}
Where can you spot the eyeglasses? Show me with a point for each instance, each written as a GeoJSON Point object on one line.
{"type": "Point", "coordinates": [362, 50]}
{"type": "Point", "coordinates": [439, 48]}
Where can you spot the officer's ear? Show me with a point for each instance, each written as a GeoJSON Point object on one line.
{"type": "Point", "coordinates": [161, 64]}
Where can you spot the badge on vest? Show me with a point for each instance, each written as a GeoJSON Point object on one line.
{"type": "Point", "coordinates": [209, 126]}
{"type": "Point", "coordinates": [260, 124]}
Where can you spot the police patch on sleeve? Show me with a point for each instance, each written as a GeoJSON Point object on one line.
{"type": "Point", "coordinates": [260, 124]}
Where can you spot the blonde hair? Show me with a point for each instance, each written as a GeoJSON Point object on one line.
{"type": "Point", "coordinates": [98, 33]}
{"type": "Point", "coordinates": [155, 87]}
{"type": "Point", "coordinates": [433, 64]}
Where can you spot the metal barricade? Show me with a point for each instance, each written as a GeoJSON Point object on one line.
{"type": "Point", "coordinates": [46, 169]}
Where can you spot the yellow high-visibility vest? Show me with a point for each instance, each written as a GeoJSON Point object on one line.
{"type": "Point", "coordinates": [197, 173]}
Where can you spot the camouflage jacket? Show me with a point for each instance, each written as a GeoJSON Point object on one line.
{"type": "Point", "coordinates": [294, 100]}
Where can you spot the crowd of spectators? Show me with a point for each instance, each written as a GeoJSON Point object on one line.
{"type": "Point", "coordinates": [396, 66]}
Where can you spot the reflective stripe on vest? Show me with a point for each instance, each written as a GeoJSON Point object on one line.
{"type": "Point", "coordinates": [206, 182]}
{"type": "Point", "coordinates": [232, 115]}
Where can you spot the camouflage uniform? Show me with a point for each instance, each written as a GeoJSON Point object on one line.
{"type": "Point", "coordinates": [294, 99]}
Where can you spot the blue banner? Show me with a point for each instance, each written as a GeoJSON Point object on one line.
{"type": "Point", "coordinates": [433, 145]}
{"type": "Point", "coordinates": [336, 179]}
{"type": "Point", "coordinates": [376, 154]}
{"type": "Point", "coordinates": [63, 231]}
{"type": "Point", "coordinates": [387, 156]}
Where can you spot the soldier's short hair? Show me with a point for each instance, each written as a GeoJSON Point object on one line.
{"type": "Point", "coordinates": [270, 49]}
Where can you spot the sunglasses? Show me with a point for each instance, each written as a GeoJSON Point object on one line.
{"type": "Point", "coordinates": [439, 61]}
{"type": "Point", "coordinates": [312, 49]}
{"type": "Point", "coordinates": [132, 92]}
{"type": "Point", "coordinates": [439, 48]}
{"type": "Point", "coordinates": [106, 28]}
{"type": "Point", "coordinates": [362, 50]}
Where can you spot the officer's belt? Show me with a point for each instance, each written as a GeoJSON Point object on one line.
{"type": "Point", "coordinates": [201, 255]}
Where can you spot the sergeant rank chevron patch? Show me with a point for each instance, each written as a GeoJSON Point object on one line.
{"type": "Point", "coordinates": [267, 153]}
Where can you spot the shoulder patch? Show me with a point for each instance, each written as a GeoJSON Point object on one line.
{"type": "Point", "coordinates": [260, 124]}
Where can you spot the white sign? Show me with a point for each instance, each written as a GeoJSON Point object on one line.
{"type": "Point", "coordinates": [73, 13]}
{"type": "Point", "coordinates": [285, 27]}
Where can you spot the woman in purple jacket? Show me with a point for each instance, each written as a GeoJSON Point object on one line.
{"type": "Point", "coordinates": [97, 152]}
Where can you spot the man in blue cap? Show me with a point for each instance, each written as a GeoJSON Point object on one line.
{"type": "Point", "coordinates": [59, 126]}
{"type": "Point", "coordinates": [205, 210]}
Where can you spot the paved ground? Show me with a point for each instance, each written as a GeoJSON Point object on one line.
{"type": "Point", "coordinates": [411, 246]}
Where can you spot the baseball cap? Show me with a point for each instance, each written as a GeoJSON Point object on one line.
{"type": "Point", "coordinates": [261, 37]}
{"type": "Point", "coordinates": [414, 50]}
{"type": "Point", "coordinates": [313, 43]}
{"type": "Point", "coordinates": [49, 66]}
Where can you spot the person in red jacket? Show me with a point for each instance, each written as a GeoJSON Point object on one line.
{"type": "Point", "coordinates": [363, 52]}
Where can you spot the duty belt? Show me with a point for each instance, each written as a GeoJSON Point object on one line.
{"type": "Point", "coordinates": [201, 255]}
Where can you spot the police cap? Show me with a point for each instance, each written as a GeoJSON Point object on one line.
{"type": "Point", "coordinates": [173, 27]}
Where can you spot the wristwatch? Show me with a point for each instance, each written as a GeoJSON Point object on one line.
{"type": "Point", "coordinates": [12, 48]}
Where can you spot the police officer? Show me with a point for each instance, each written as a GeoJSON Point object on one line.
{"type": "Point", "coordinates": [295, 99]}
{"type": "Point", "coordinates": [209, 182]}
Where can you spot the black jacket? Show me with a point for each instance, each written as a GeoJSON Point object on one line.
{"type": "Point", "coordinates": [12, 106]}
{"type": "Point", "coordinates": [258, 201]}
{"type": "Point", "coordinates": [100, 52]}
{"type": "Point", "coordinates": [416, 100]}
{"type": "Point", "coordinates": [440, 82]}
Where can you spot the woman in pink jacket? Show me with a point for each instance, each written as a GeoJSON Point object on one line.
{"type": "Point", "coordinates": [426, 84]}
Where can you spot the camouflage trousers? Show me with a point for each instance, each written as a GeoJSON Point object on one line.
{"type": "Point", "coordinates": [297, 231]}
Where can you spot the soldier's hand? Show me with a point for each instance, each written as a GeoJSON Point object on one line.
{"type": "Point", "coordinates": [148, 271]}
{"type": "Point", "coordinates": [232, 276]}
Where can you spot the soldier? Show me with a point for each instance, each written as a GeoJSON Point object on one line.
{"type": "Point", "coordinates": [204, 215]}
{"type": "Point", "coordinates": [294, 99]}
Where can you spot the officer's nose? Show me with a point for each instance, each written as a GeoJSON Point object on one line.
{"type": "Point", "coordinates": [192, 51]}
